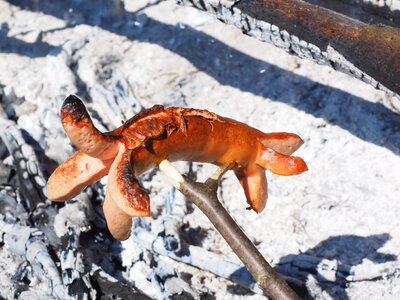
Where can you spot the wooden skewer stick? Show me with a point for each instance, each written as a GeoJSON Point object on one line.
{"type": "Point", "coordinates": [204, 196]}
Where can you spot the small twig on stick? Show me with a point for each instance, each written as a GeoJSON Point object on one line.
{"type": "Point", "coordinates": [204, 195]}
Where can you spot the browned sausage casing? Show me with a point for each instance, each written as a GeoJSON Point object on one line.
{"type": "Point", "coordinates": [165, 133]}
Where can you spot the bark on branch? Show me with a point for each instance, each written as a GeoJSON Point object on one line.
{"type": "Point", "coordinates": [204, 196]}
{"type": "Point", "coordinates": [369, 52]}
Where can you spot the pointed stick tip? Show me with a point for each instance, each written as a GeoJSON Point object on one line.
{"type": "Point", "coordinates": [172, 173]}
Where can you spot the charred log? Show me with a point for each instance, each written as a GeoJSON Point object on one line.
{"type": "Point", "coordinates": [367, 51]}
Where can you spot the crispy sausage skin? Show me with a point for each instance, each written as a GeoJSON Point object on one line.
{"type": "Point", "coordinates": [165, 133]}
